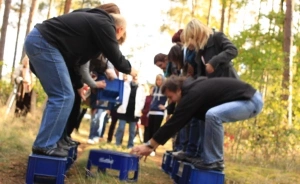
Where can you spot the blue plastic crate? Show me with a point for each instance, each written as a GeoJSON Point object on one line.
{"type": "Point", "coordinates": [112, 93]}
{"type": "Point", "coordinates": [167, 162]}
{"type": "Point", "coordinates": [206, 176]}
{"type": "Point", "coordinates": [175, 167]}
{"type": "Point", "coordinates": [45, 169]}
{"type": "Point", "coordinates": [71, 157]}
{"type": "Point", "coordinates": [183, 173]}
{"type": "Point", "coordinates": [107, 159]}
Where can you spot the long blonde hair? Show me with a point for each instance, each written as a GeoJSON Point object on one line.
{"type": "Point", "coordinates": [196, 33]}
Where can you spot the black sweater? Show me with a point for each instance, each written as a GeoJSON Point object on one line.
{"type": "Point", "coordinates": [81, 36]}
{"type": "Point", "coordinates": [198, 96]}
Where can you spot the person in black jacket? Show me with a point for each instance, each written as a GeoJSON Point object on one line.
{"type": "Point", "coordinates": [203, 98]}
{"type": "Point", "coordinates": [56, 49]}
{"type": "Point", "coordinates": [214, 50]}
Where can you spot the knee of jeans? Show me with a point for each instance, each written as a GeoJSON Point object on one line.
{"type": "Point", "coordinates": [210, 115]}
{"type": "Point", "coordinates": [69, 96]}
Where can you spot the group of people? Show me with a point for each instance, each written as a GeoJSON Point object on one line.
{"type": "Point", "coordinates": [204, 91]}
{"type": "Point", "coordinates": [200, 89]}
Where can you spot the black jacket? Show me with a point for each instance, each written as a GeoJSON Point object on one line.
{"type": "Point", "coordinates": [81, 36]}
{"type": "Point", "coordinates": [198, 96]}
{"type": "Point", "coordinates": [219, 51]}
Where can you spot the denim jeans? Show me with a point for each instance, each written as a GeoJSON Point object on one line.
{"type": "Point", "coordinates": [120, 133]}
{"type": "Point", "coordinates": [194, 138]}
{"type": "Point", "coordinates": [50, 67]}
{"type": "Point", "coordinates": [182, 138]}
{"type": "Point", "coordinates": [95, 128]}
{"type": "Point", "coordinates": [228, 112]}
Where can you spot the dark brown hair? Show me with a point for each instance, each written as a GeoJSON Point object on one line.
{"type": "Point", "coordinates": [160, 57]}
{"type": "Point", "coordinates": [173, 83]}
{"type": "Point", "coordinates": [176, 36]}
{"type": "Point", "coordinates": [110, 8]}
{"type": "Point", "coordinates": [176, 55]}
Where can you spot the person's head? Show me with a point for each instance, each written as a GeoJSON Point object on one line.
{"type": "Point", "coordinates": [172, 88]}
{"type": "Point", "coordinates": [196, 35]}
{"type": "Point", "coordinates": [135, 80]}
{"type": "Point", "coordinates": [110, 8]}
{"type": "Point", "coordinates": [120, 24]}
{"type": "Point", "coordinates": [113, 8]}
{"type": "Point", "coordinates": [176, 38]}
{"type": "Point", "coordinates": [25, 62]}
{"type": "Point", "coordinates": [122, 39]}
{"type": "Point", "coordinates": [159, 80]}
{"type": "Point", "coordinates": [176, 55]}
{"type": "Point", "coordinates": [161, 60]}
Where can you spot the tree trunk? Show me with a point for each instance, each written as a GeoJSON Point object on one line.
{"type": "Point", "coordinates": [3, 32]}
{"type": "Point", "coordinates": [223, 15]}
{"type": "Point", "coordinates": [229, 14]}
{"type": "Point", "coordinates": [67, 6]}
{"type": "Point", "coordinates": [17, 39]}
{"type": "Point", "coordinates": [29, 21]}
{"type": "Point", "coordinates": [288, 62]}
{"type": "Point", "coordinates": [208, 13]}
{"type": "Point", "coordinates": [49, 9]}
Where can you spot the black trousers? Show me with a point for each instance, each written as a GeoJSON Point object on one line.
{"type": "Point", "coordinates": [74, 116]}
{"type": "Point", "coordinates": [154, 123]}
{"type": "Point", "coordinates": [114, 119]}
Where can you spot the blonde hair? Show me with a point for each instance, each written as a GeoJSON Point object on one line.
{"type": "Point", "coordinates": [119, 20]}
{"type": "Point", "coordinates": [196, 33]}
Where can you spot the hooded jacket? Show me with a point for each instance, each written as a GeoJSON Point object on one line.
{"type": "Point", "coordinates": [81, 36]}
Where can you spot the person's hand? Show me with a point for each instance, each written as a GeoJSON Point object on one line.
{"type": "Point", "coordinates": [209, 68]}
{"type": "Point", "coordinates": [108, 112]}
{"type": "Point", "coordinates": [161, 107]}
{"type": "Point", "coordinates": [82, 91]}
{"type": "Point", "coordinates": [101, 84]}
{"type": "Point", "coordinates": [133, 72]}
{"type": "Point", "coordinates": [141, 150]}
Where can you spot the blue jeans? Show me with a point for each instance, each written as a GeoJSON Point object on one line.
{"type": "Point", "coordinates": [194, 138]}
{"type": "Point", "coordinates": [95, 128]}
{"type": "Point", "coordinates": [228, 112]}
{"type": "Point", "coordinates": [120, 133]}
{"type": "Point", "coordinates": [50, 67]}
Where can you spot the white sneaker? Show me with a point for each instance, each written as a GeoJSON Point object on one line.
{"type": "Point", "coordinates": [152, 154]}
{"type": "Point", "coordinates": [90, 141]}
{"type": "Point", "coordinates": [96, 139]}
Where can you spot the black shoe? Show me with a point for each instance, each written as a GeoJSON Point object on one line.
{"type": "Point", "coordinates": [54, 152]}
{"type": "Point", "coordinates": [71, 142]}
{"type": "Point", "coordinates": [193, 159]}
{"type": "Point", "coordinates": [179, 155]}
{"type": "Point", "coordinates": [217, 166]}
{"type": "Point", "coordinates": [63, 144]}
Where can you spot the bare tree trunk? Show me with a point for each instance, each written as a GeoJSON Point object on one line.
{"type": "Point", "coordinates": [3, 32]}
{"type": "Point", "coordinates": [49, 9]}
{"type": "Point", "coordinates": [208, 13]}
{"type": "Point", "coordinates": [229, 14]}
{"type": "Point", "coordinates": [223, 15]}
{"type": "Point", "coordinates": [288, 62]}
{"type": "Point", "coordinates": [67, 6]}
{"type": "Point", "coordinates": [17, 39]}
{"type": "Point", "coordinates": [29, 21]}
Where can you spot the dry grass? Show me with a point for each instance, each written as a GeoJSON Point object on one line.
{"type": "Point", "coordinates": [17, 135]}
